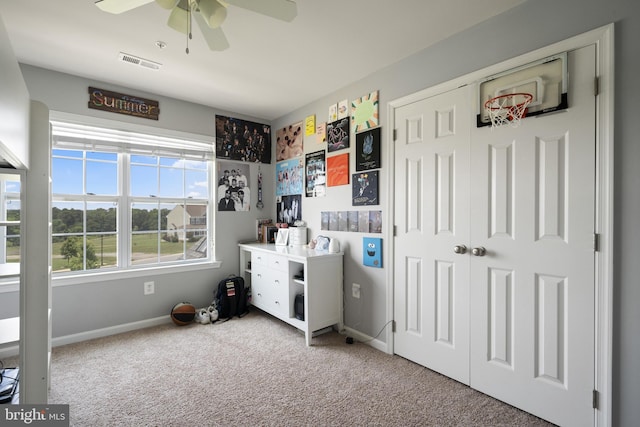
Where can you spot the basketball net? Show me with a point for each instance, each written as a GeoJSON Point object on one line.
{"type": "Point", "coordinates": [508, 109]}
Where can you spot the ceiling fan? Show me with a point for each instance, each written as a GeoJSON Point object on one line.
{"type": "Point", "coordinates": [208, 14]}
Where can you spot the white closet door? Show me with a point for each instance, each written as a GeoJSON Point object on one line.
{"type": "Point", "coordinates": [532, 293]}
{"type": "Point", "coordinates": [432, 216]}
{"type": "Point", "coordinates": [513, 316]}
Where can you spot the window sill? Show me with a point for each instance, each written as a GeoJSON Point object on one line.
{"type": "Point", "coordinates": [13, 284]}
{"type": "Point", "coordinates": [82, 279]}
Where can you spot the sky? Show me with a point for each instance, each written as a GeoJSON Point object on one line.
{"type": "Point", "coordinates": [150, 176]}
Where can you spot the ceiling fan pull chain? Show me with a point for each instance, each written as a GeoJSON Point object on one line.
{"type": "Point", "coordinates": [189, 35]}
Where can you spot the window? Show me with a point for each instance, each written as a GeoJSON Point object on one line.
{"type": "Point", "coordinates": [121, 200]}
{"type": "Point", "coordinates": [10, 218]}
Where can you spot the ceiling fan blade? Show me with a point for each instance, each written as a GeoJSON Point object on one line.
{"type": "Point", "coordinates": [215, 38]}
{"type": "Point", "coordinates": [179, 20]}
{"type": "Point", "coordinates": [284, 10]}
{"type": "Point", "coordinates": [119, 6]}
{"type": "Point", "coordinates": [167, 4]}
{"type": "Point", "coordinates": [213, 12]}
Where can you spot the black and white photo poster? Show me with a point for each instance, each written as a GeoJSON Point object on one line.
{"type": "Point", "coordinates": [233, 193]}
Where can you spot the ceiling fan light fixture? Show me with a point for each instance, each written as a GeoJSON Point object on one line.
{"type": "Point", "coordinates": [207, 14]}
{"type": "Point", "coordinates": [213, 12]}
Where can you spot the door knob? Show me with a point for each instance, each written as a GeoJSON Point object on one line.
{"type": "Point", "coordinates": [479, 251]}
{"type": "Point", "coordinates": [460, 249]}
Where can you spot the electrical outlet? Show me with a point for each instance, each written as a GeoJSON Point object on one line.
{"type": "Point", "coordinates": [355, 290]}
{"type": "Point", "coordinates": [149, 288]}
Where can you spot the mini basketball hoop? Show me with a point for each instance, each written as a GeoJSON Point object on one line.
{"type": "Point", "coordinates": [508, 109]}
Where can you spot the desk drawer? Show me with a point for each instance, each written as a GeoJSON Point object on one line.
{"type": "Point", "coordinates": [278, 262]}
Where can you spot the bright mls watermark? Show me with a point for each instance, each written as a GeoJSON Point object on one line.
{"type": "Point", "coordinates": [34, 415]}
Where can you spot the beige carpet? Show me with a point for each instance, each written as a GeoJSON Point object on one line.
{"type": "Point", "coordinates": [258, 371]}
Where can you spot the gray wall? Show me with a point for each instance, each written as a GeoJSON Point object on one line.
{"type": "Point", "coordinates": [109, 302]}
{"type": "Point", "coordinates": [530, 26]}
{"type": "Point", "coordinates": [14, 107]}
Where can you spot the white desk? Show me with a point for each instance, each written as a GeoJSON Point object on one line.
{"type": "Point", "coordinates": [276, 274]}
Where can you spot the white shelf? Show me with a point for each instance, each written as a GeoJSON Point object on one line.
{"type": "Point", "coordinates": [11, 269]}
{"type": "Point", "coordinates": [9, 330]}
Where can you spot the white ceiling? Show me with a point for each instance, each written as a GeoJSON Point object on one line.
{"type": "Point", "coordinates": [271, 68]}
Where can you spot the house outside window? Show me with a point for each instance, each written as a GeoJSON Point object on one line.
{"type": "Point", "coordinates": [124, 200]}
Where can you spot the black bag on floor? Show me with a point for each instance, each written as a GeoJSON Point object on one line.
{"type": "Point", "coordinates": [231, 298]}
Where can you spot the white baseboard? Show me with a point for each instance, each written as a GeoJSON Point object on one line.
{"type": "Point", "coordinates": [14, 350]}
{"type": "Point", "coordinates": [366, 339]}
{"type": "Point", "coordinates": [112, 330]}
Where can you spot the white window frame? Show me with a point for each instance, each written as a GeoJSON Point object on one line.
{"type": "Point", "coordinates": [80, 277]}
{"type": "Point", "coordinates": [4, 198]}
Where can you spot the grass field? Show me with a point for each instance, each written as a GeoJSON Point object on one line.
{"type": "Point", "coordinates": [143, 246]}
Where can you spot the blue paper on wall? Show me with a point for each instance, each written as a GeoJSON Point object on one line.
{"type": "Point", "coordinates": [372, 251]}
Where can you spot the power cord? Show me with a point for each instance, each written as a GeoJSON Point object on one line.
{"type": "Point", "coordinates": [3, 375]}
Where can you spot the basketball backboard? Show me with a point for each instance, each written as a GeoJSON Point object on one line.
{"type": "Point", "coordinates": [545, 80]}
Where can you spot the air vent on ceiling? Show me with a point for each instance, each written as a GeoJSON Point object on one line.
{"type": "Point", "coordinates": [136, 60]}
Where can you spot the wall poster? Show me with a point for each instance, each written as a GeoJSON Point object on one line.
{"type": "Point", "coordinates": [338, 135]}
{"type": "Point", "coordinates": [289, 177]}
{"type": "Point", "coordinates": [289, 208]}
{"type": "Point", "coordinates": [315, 174]}
{"type": "Point", "coordinates": [368, 150]}
{"type": "Point", "coordinates": [372, 251]}
{"type": "Point", "coordinates": [356, 221]}
{"type": "Point", "coordinates": [365, 188]}
{"type": "Point", "coordinates": [338, 170]}
{"type": "Point", "coordinates": [289, 142]}
{"type": "Point", "coordinates": [243, 140]}
{"type": "Point", "coordinates": [234, 193]}
{"type": "Point", "coordinates": [364, 112]}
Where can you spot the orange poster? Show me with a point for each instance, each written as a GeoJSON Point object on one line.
{"type": "Point", "coordinates": [338, 170]}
